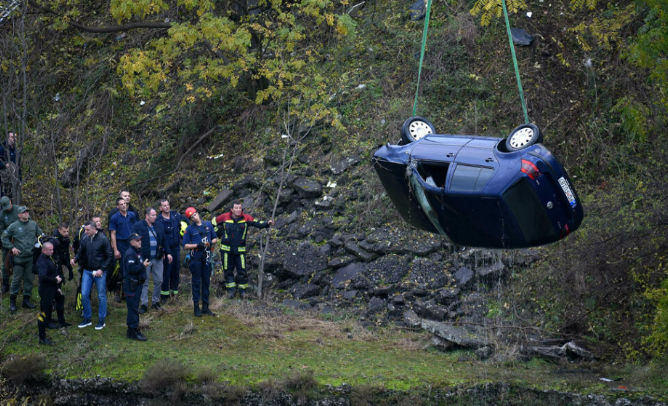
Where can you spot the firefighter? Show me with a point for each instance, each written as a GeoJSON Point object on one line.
{"type": "Point", "coordinates": [199, 239]}
{"type": "Point", "coordinates": [232, 229]}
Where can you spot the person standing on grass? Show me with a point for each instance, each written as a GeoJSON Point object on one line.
{"type": "Point", "coordinates": [199, 239]}
{"type": "Point", "coordinates": [50, 278]}
{"type": "Point", "coordinates": [232, 231]}
{"type": "Point", "coordinates": [95, 257]}
{"type": "Point", "coordinates": [171, 221]}
{"type": "Point", "coordinates": [154, 247]}
{"type": "Point", "coordinates": [19, 238]}
{"type": "Point", "coordinates": [8, 215]}
{"type": "Point", "coordinates": [135, 267]}
{"type": "Point", "coordinates": [120, 225]}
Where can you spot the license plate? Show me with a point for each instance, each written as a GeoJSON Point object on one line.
{"type": "Point", "coordinates": [567, 191]}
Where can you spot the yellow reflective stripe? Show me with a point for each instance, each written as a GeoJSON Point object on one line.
{"type": "Point", "coordinates": [164, 292]}
{"type": "Point", "coordinates": [224, 247]}
{"type": "Point", "coordinates": [176, 292]}
{"type": "Point", "coordinates": [243, 261]}
{"type": "Point", "coordinates": [242, 249]}
{"type": "Point", "coordinates": [229, 221]}
{"type": "Point", "coordinates": [244, 286]}
{"type": "Point", "coordinates": [41, 316]}
{"type": "Point", "coordinates": [225, 260]}
{"type": "Point", "coordinates": [231, 285]}
{"type": "Point", "coordinates": [243, 236]}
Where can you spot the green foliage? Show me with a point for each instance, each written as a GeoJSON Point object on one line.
{"type": "Point", "coordinates": [634, 119]}
{"type": "Point", "coordinates": [490, 9]}
{"type": "Point", "coordinates": [657, 341]}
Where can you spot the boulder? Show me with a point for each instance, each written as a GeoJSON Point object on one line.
{"type": "Point", "coordinates": [220, 200]}
{"type": "Point", "coordinates": [355, 249]}
{"type": "Point", "coordinates": [463, 336]}
{"type": "Point", "coordinates": [447, 296]}
{"type": "Point", "coordinates": [343, 164]}
{"type": "Point", "coordinates": [344, 275]}
{"type": "Point", "coordinates": [430, 310]}
{"type": "Point", "coordinates": [306, 260]}
{"type": "Point", "coordinates": [304, 291]}
{"type": "Point", "coordinates": [376, 305]}
{"type": "Point", "coordinates": [307, 188]}
{"type": "Point", "coordinates": [464, 278]}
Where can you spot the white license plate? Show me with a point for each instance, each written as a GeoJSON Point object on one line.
{"type": "Point", "coordinates": [567, 191]}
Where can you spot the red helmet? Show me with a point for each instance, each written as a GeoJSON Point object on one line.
{"type": "Point", "coordinates": [190, 211]}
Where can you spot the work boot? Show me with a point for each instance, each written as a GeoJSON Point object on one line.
{"type": "Point", "coordinates": [139, 336]}
{"type": "Point", "coordinates": [12, 303]}
{"type": "Point", "coordinates": [242, 293]}
{"type": "Point", "coordinates": [45, 341]}
{"type": "Point", "coordinates": [5, 287]}
{"type": "Point", "coordinates": [27, 304]}
{"type": "Point", "coordinates": [206, 310]}
{"type": "Point", "coordinates": [198, 313]}
{"type": "Point", "coordinates": [231, 293]}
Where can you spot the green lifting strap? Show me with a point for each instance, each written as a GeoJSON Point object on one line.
{"type": "Point", "coordinates": [517, 70]}
{"type": "Point", "coordinates": [424, 45]}
{"type": "Point", "coordinates": [512, 51]}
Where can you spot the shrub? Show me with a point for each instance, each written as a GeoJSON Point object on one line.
{"type": "Point", "coordinates": [22, 370]}
{"type": "Point", "coordinates": [165, 373]}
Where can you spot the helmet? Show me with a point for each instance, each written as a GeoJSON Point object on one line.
{"type": "Point", "coordinates": [190, 211]}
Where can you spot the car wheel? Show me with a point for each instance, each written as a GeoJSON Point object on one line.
{"type": "Point", "coordinates": [523, 136]}
{"type": "Point", "coordinates": [416, 128]}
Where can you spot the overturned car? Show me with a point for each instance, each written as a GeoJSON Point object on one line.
{"type": "Point", "coordinates": [479, 191]}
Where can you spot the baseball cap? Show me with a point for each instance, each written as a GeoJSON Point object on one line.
{"type": "Point", "coordinates": [134, 236]}
{"type": "Point", "coordinates": [5, 202]}
{"type": "Point", "coordinates": [22, 209]}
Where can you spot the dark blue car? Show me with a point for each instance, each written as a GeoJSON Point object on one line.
{"type": "Point", "coordinates": [479, 191]}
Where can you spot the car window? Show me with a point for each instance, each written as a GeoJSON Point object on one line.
{"type": "Point", "coordinates": [433, 173]}
{"type": "Point", "coordinates": [469, 178]}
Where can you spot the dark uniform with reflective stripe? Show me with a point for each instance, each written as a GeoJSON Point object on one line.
{"type": "Point", "coordinates": [49, 291]}
{"type": "Point", "coordinates": [232, 233]}
{"type": "Point", "coordinates": [200, 260]}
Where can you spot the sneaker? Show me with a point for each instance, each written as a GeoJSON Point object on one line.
{"type": "Point", "coordinates": [156, 306]}
{"type": "Point", "coordinates": [143, 309]}
{"type": "Point", "coordinates": [85, 323]}
{"type": "Point", "coordinates": [100, 325]}
{"type": "Point", "coordinates": [45, 341]}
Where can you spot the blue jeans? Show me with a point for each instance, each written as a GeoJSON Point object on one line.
{"type": "Point", "coordinates": [86, 285]}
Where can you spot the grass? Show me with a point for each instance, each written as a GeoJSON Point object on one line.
{"type": "Point", "coordinates": [250, 343]}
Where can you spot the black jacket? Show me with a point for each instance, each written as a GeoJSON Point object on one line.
{"type": "Point", "coordinates": [95, 253]}
{"type": "Point", "coordinates": [134, 265]}
{"type": "Point", "coordinates": [61, 249]}
{"type": "Point", "coordinates": [141, 228]}
{"type": "Point", "coordinates": [48, 270]}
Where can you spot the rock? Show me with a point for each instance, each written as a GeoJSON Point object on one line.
{"type": "Point", "coordinates": [338, 262]}
{"type": "Point", "coordinates": [355, 249]}
{"type": "Point", "coordinates": [427, 274]}
{"type": "Point", "coordinates": [304, 291]}
{"type": "Point", "coordinates": [296, 304]}
{"type": "Point", "coordinates": [307, 188]}
{"type": "Point", "coordinates": [464, 278]}
{"type": "Point", "coordinates": [345, 274]}
{"type": "Point", "coordinates": [411, 318]}
{"type": "Point", "coordinates": [387, 270]}
{"type": "Point", "coordinates": [573, 350]}
{"type": "Point", "coordinates": [342, 165]}
{"type": "Point", "coordinates": [484, 353]}
{"type": "Point", "coordinates": [492, 273]}
{"type": "Point", "coordinates": [430, 310]}
{"type": "Point", "coordinates": [324, 204]}
{"type": "Point", "coordinates": [447, 296]}
{"type": "Point", "coordinates": [220, 200]}
{"type": "Point", "coordinates": [463, 336]}
{"type": "Point", "coordinates": [376, 305]}
{"type": "Point", "coordinates": [350, 294]}
{"type": "Point", "coordinates": [306, 260]}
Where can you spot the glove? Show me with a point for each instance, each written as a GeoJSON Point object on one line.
{"type": "Point", "coordinates": [201, 246]}
{"type": "Point", "coordinates": [186, 261]}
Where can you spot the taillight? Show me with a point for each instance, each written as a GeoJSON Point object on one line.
{"type": "Point", "coordinates": [565, 231]}
{"type": "Point", "coordinates": [530, 169]}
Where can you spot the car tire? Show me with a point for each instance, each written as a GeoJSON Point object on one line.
{"type": "Point", "coordinates": [416, 128]}
{"type": "Point", "coordinates": [524, 136]}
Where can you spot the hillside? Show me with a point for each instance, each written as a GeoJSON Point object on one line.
{"type": "Point", "coordinates": [282, 105]}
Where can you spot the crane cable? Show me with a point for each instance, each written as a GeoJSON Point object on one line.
{"type": "Point", "coordinates": [512, 51]}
